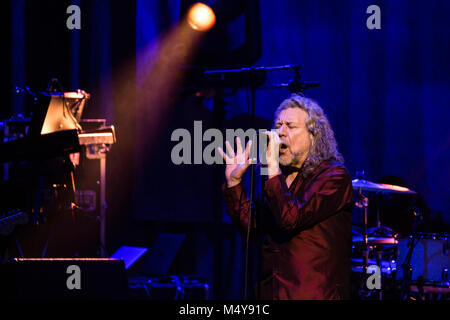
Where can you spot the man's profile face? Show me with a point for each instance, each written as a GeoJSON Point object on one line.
{"type": "Point", "coordinates": [294, 136]}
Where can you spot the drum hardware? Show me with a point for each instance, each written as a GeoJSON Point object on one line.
{"type": "Point", "coordinates": [388, 266]}
{"type": "Point", "coordinates": [413, 266]}
{"type": "Point", "coordinates": [406, 265]}
{"type": "Point", "coordinates": [429, 290]}
{"type": "Point", "coordinates": [444, 274]}
{"type": "Point", "coordinates": [365, 185]}
{"type": "Point", "coordinates": [377, 238]}
{"type": "Point", "coordinates": [426, 260]}
{"type": "Point", "coordinates": [363, 203]}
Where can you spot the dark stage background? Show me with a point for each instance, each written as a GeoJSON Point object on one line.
{"type": "Point", "coordinates": [385, 92]}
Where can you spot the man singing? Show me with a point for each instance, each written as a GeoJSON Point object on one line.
{"type": "Point", "coordinates": [308, 202]}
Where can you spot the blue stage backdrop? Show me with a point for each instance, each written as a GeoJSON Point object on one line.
{"type": "Point", "coordinates": [385, 91]}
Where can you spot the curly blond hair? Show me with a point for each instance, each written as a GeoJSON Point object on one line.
{"type": "Point", "coordinates": [324, 145]}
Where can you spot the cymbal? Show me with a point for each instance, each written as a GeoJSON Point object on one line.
{"type": "Point", "coordinates": [377, 187]}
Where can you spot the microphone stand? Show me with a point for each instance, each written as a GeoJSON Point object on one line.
{"type": "Point", "coordinates": [251, 217]}
{"type": "Point", "coordinates": [254, 77]}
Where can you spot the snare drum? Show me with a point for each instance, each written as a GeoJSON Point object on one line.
{"type": "Point", "coordinates": [430, 257]}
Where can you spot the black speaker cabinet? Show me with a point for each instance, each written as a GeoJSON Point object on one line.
{"type": "Point", "coordinates": [64, 279]}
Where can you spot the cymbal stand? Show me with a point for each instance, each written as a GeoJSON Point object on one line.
{"type": "Point", "coordinates": [363, 202]}
{"type": "Point", "coordinates": [380, 230]}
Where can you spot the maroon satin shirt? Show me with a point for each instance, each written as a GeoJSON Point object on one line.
{"type": "Point", "coordinates": [307, 229]}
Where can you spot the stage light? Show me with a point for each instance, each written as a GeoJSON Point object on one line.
{"type": "Point", "coordinates": [235, 37]}
{"type": "Point", "coordinates": [201, 17]}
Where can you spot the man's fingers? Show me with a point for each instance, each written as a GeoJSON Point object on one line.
{"type": "Point", "coordinates": [229, 149]}
{"type": "Point", "coordinates": [268, 134]}
{"type": "Point", "coordinates": [249, 162]}
{"type": "Point", "coordinates": [238, 146]}
{"type": "Point", "coordinates": [274, 139]}
{"type": "Point", "coordinates": [247, 149]}
{"type": "Point", "coordinates": [227, 159]}
{"type": "Point", "coordinates": [274, 142]}
{"type": "Point", "coordinates": [271, 135]}
{"type": "Point", "coordinates": [241, 157]}
{"type": "Point", "coordinates": [224, 156]}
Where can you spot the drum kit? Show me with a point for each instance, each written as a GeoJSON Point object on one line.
{"type": "Point", "coordinates": [411, 266]}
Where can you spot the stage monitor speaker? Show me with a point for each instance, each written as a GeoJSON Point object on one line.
{"type": "Point", "coordinates": [64, 279]}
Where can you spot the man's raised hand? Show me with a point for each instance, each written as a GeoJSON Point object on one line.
{"type": "Point", "coordinates": [236, 164]}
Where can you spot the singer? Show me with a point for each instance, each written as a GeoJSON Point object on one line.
{"type": "Point", "coordinates": [306, 216]}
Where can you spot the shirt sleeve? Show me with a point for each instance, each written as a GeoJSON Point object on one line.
{"type": "Point", "coordinates": [237, 205]}
{"type": "Point", "coordinates": [325, 195]}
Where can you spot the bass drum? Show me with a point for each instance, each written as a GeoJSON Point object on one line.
{"type": "Point", "coordinates": [430, 262]}
{"type": "Point", "coordinates": [430, 258]}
